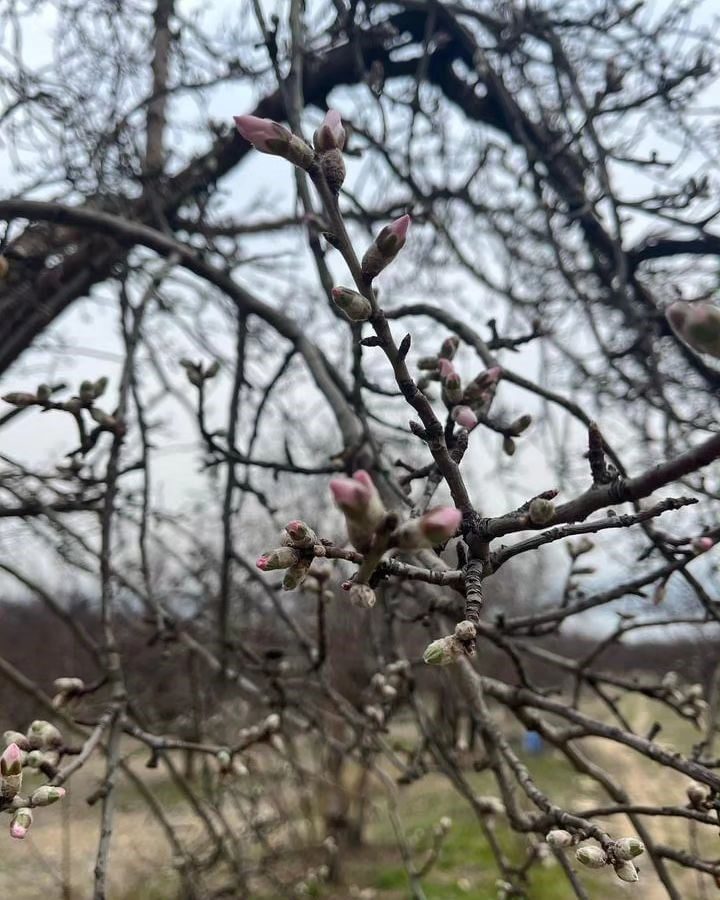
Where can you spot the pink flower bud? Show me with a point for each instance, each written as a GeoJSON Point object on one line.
{"type": "Point", "coordinates": [464, 417]}
{"type": "Point", "coordinates": [272, 137]}
{"type": "Point", "coordinates": [449, 347]}
{"type": "Point", "coordinates": [388, 243]}
{"type": "Point", "coordinates": [446, 368]}
{"type": "Point", "coordinates": [20, 823]}
{"type": "Point", "coordinates": [702, 544]}
{"type": "Point", "coordinates": [264, 134]}
{"type": "Point", "coordinates": [280, 558]}
{"type": "Point", "coordinates": [299, 534]}
{"type": "Point", "coordinates": [360, 502]}
{"type": "Point", "coordinates": [440, 524]}
{"type": "Point", "coordinates": [331, 134]}
{"type": "Point", "coordinates": [11, 760]}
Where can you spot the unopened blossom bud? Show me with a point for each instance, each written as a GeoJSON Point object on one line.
{"type": "Point", "coordinates": [465, 631]}
{"type": "Point", "coordinates": [592, 857]}
{"type": "Point", "coordinates": [296, 574]}
{"type": "Point", "coordinates": [698, 324]}
{"type": "Point", "coordinates": [331, 134]}
{"type": "Point", "coordinates": [212, 369]}
{"type": "Point", "coordinates": [434, 527]}
{"type": "Point", "coordinates": [361, 505]}
{"type": "Point", "coordinates": [702, 545]}
{"type": "Point", "coordinates": [86, 392]}
{"type": "Point", "coordinates": [332, 165]}
{"type": "Point", "coordinates": [35, 759]}
{"type": "Point", "coordinates": [355, 307]}
{"type": "Point", "coordinates": [272, 723]}
{"type": "Point", "coordinates": [46, 795]}
{"type": "Point", "coordinates": [449, 347]}
{"type": "Point", "coordinates": [299, 534]}
{"type": "Point", "coordinates": [387, 245]}
{"type": "Point", "coordinates": [11, 760]}
{"type": "Point", "coordinates": [541, 511]}
{"type": "Point", "coordinates": [443, 652]}
{"type": "Point", "coordinates": [626, 871]}
{"type": "Point", "coordinates": [99, 387]}
{"type": "Point", "coordinates": [559, 838]}
{"type": "Point", "coordinates": [522, 423]}
{"type": "Point", "coordinates": [273, 138]}
{"type": "Point", "coordinates": [280, 558]}
{"type": "Point", "coordinates": [16, 737]}
{"type": "Point", "coordinates": [18, 398]}
{"type": "Point", "coordinates": [481, 390]}
{"type": "Point", "coordinates": [69, 685]}
{"type": "Point", "coordinates": [489, 806]}
{"type": "Point", "coordinates": [698, 794]}
{"type": "Point", "coordinates": [464, 417]}
{"type": "Point", "coordinates": [388, 692]}
{"type": "Point", "coordinates": [20, 823]}
{"type": "Point", "coordinates": [628, 848]}
{"type": "Point", "coordinates": [452, 390]}
{"type": "Point", "coordinates": [362, 596]}
{"type": "Point", "coordinates": [508, 446]}
{"type": "Point", "coordinates": [42, 735]}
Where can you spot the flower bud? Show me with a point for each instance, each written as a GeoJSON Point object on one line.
{"type": "Point", "coordinates": [16, 737]}
{"type": "Point", "coordinates": [559, 838]}
{"type": "Point", "coordinates": [271, 137]}
{"type": "Point", "coordinates": [11, 760]}
{"type": "Point", "coordinates": [508, 446]}
{"type": "Point", "coordinates": [18, 398]}
{"type": "Point", "coordinates": [443, 652]}
{"type": "Point", "coordinates": [465, 631]}
{"type": "Point", "coordinates": [46, 795]}
{"type": "Point", "coordinates": [86, 392]}
{"type": "Point", "coordinates": [592, 857]}
{"type": "Point", "coordinates": [387, 245]}
{"type": "Point", "coordinates": [332, 165]}
{"type": "Point", "coordinates": [452, 390]}
{"type": "Point", "coordinates": [449, 346]}
{"type": "Point", "coordinates": [698, 794]}
{"type": "Point", "coordinates": [299, 534]}
{"type": "Point", "coordinates": [355, 307]}
{"type": "Point", "coordinates": [464, 417]}
{"type": "Point", "coordinates": [626, 871]}
{"type": "Point", "coordinates": [280, 558]}
{"type": "Point", "coordinates": [224, 761]}
{"type": "Point", "coordinates": [702, 545]}
{"type": "Point", "coordinates": [272, 723]}
{"type": "Point", "coordinates": [698, 324]}
{"type": "Point", "coordinates": [331, 134]}
{"type": "Point", "coordinates": [434, 527]}
{"type": "Point", "coordinates": [69, 685]}
{"type": "Point", "coordinates": [522, 423]}
{"type": "Point", "coordinates": [362, 596]}
{"type": "Point", "coordinates": [296, 574]}
{"type": "Point", "coordinates": [481, 390]}
{"type": "Point", "coordinates": [541, 511]}
{"type": "Point", "coordinates": [361, 505]}
{"type": "Point", "coordinates": [99, 387]}
{"type": "Point", "coordinates": [628, 848]}
{"type": "Point", "coordinates": [21, 822]}
{"type": "Point", "coordinates": [35, 759]}
{"type": "Point", "coordinates": [43, 735]}
{"type": "Point", "coordinates": [212, 369]}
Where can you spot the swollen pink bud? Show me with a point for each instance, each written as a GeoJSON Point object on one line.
{"type": "Point", "coordinates": [331, 134]}
{"type": "Point", "coordinates": [349, 494]}
{"type": "Point", "coordinates": [464, 417]}
{"type": "Point", "coordinates": [440, 524]}
{"type": "Point", "coordinates": [272, 137]}
{"type": "Point", "coordinates": [446, 368]}
{"type": "Point", "coordinates": [360, 502]}
{"type": "Point", "coordinates": [280, 558]}
{"type": "Point", "coordinates": [11, 760]}
{"type": "Point", "coordinates": [702, 544]}
{"type": "Point", "coordinates": [20, 823]}
{"type": "Point", "coordinates": [400, 228]}
{"type": "Point", "coordinates": [263, 134]}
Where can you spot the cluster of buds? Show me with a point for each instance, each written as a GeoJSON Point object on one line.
{"type": "Point", "coordinates": [329, 141]}
{"type": "Point", "coordinates": [619, 854]}
{"type": "Point", "coordinates": [690, 699]}
{"type": "Point", "coordinates": [698, 324]}
{"type": "Point", "coordinates": [273, 138]}
{"type": "Point", "coordinates": [447, 650]}
{"type": "Point", "coordinates": [386, 246]}
{"type": "Point", "coordinates": [19, 748]}
{"type": "Point", "coordinates": [299, 546]}
{"type": "Point", "coordinates": [387, 683]}
{"type": "Point", "coordinates": [228, 765]}
{"type": "Point", "coordinates": [197, 373]}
